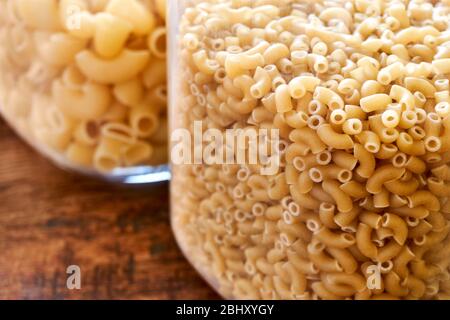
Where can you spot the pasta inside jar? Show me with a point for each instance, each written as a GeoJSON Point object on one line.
{"type": "Point", "coordinates": [358, 93]}
{"type": "Point", "coordinates": [84, 81]}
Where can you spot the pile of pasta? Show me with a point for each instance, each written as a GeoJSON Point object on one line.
{"type": "Point", "coordinates": [86, 79]}
{"type": "Point", "coordinates": [359, 91]}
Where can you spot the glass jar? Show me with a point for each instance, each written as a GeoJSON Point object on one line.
{"type": "Point", "coordinates": [355, 95]}
{"type": "Point", "coordinates": [84, 82]}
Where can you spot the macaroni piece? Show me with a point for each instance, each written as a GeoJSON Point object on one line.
{"type": "Point", "coordinates": [87, 79]}
{"type": "Point", "coordinates": [359, 90]}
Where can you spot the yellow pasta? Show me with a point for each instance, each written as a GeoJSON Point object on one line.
{"type": "Point", "coordinates": [359, 94]}
{"type": "Point", "coordinates": [374, 102]}
{"type": "Point", "coordinates": [334, 139]}
{"type": "Point", "coordinates": [86, 67]}
{"type": "Point", "coordinates": [364, 241]}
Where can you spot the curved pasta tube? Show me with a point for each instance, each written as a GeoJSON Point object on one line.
{"type": "Point", "coordinates": [381, 199]}
{"type": "Point", "coordinates": [437, 221]}
{"type": "Point", "coordinates": [283, 99]}
{"type": "Point", "coordinates": [423, 228]}
{"type": "Point", "coordinates": [391, 73]}
{"type": "Point", "coordinates": [322, 261]}
{"type": "Point", "coordinates": [388, 251]}
{"type": "Point", "coordinates": [345, 259]}
{"type": "Point", "coordinates": [354, 189]}
{"type": "Point", "coordinates": [335, 240]}
{"type": "Point", "coordinates": [305, 184]}
{"type": "Point", "coordinates": [328, 97]}
{"type": "Point", "coordinates": [263, 83]}
{"type": "Point", "coordinates": [275, 52]}
{"type": "Point", "coordinates": [344, 159]}
{"type": "Point", "coordinates": [318, 193]}
{"type": "Point", "coordinates": [398, 226]}
{"type": "Point", "coordinates": [331, 171]}
{"type": "Point", "coordinates": [305, 199]}
{"type": "Point", "coordinates": [424, 198]}
{"type": "Point", "coordinates": [204, 65]}
{"type": "Point", "coordinates": [295, 119]}
{"type": "Point", "coordinates": [124, 67]}
{"type": "Point", "coordinates": [403, 96]}
{"type": "Point", "coordinates": [237, 64]}
{"type": "Point", "coordinates": [387, 151]}
{"type": "Point", "coordinates": [309, 137]}
{"type": "Point", "coordinates": [372, 219]}
{"type": "Point", "coordinates": [89, 102]}
{"type": "Point", "coordinates": [366, 161]}
{"type": "Point", "coordinates": [364, 241]}
{"type": "Point", "coordinates": [419, 212]}
{"type": "Point", "coordinates": [338, 289]}
{"type": "Point", "coordinates": [318, 62]}
{"type": "Point", "coordinates": [370, 140]}
{"type": "Point", "coordinates": [345, 219]}
{"type": "Point", "coordinates": [383, 174]}
{"type": "Point", "coordinates": [414, 84]}
{"type": "Point", "coordinates": [375, 102]}
{"type": "Point", "coordinates": [402, 188]}
{"type": "Point", "coordinates": [356, 281]}
{"type": "Point", "coordinates": [343, 201]}
{"type": "Point", "coordinates": [415, 165]}
{"type": "Point", "coordinates": [334, 139]}
{"type": "Point", "coordinates": [298, 86]}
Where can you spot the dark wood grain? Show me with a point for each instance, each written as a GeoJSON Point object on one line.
{"type": "Point", "coordinates": [120, 238]}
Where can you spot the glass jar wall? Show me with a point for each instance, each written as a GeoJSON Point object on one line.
{"type": "Point", "coordinates": [84, 81]}
{"type": "Point", "coordinates": [358, 92]}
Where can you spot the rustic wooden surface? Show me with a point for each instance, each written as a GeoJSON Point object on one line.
{"type": "Point", "coordinates": [120, 238]}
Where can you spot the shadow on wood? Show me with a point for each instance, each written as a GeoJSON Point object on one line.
{"type": "Point", "coordinates": [120, 238]}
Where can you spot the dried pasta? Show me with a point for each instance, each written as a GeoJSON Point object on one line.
{"type": "Point", "coordinates": [359, 92]}
{"type": "Point", "coordinates": [83, 65]}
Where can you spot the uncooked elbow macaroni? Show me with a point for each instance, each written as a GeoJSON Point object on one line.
{"type": "Point", "coordinates": [360, 93]}
{"type": "Point", "coordinates": [87, 79]}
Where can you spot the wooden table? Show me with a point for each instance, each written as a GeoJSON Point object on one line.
{"type": "Point", "coordinates": [120, 238]}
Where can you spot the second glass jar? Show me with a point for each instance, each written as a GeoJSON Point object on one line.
{"type": "Point", "coordinates": [84, 81]}
{"type": "Point", "coordinates": [359, 94]}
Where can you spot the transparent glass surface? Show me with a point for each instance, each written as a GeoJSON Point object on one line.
{"type": "Point", "coordinates": [84, 83]}
{"type": "Point", "coordinates": [358, 93]}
